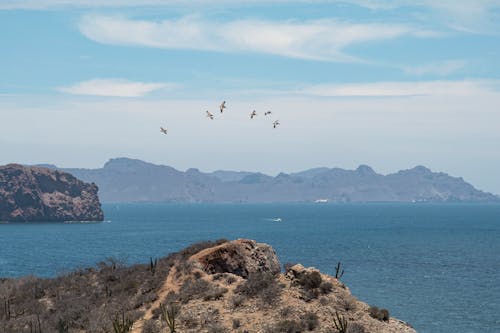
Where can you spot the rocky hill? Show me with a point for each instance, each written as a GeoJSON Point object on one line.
{"type": "Point", "coordinates": [42, 194]}
{"type": "Point", "coordinates": [127, 180]}
{"type": "Point", "coordinates": [213, 287]}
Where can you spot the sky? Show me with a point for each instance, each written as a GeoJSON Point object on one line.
{"type": "Point", "coordinates": [391, 84]}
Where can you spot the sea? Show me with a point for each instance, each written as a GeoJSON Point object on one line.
{"type": "Point", "coordinates": [436, 266]}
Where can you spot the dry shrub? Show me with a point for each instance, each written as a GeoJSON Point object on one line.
{"type": "Point", "coordinates": [263, 285]}
{"type": "Point", "coordinates": [214, 293]}
{"type": "Point", "coordinates": [380, 314]}
{"type": "Point", "coordinates": [324, 300]}
{"type": "Point", "coordinates": [355, 328]}
{"type": "Point", "coordinates": [237, 300]}
{"type": "Point", "coordinates": [188, 319]}
{"type": "Point", "coordinates": [310, 280]}
{"type": "Point", "coordinates": [216, 328]}
{"type": "Point", "coordinates": [286, 326]}
{"type": "Point", "coordinates": [310, 321]}
{"type": "Point", "coordinates": [347, 303]}
{"type": "Point", "coordinates": [150, 326]}
{"type": "Point", "coordinates": [326, 287]}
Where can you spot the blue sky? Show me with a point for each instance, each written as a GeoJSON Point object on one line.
{"type": "Point", "coordinates": [391, 84]}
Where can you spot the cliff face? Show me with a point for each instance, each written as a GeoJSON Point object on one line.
{"type": "Point", "coordinates": [41, 194]}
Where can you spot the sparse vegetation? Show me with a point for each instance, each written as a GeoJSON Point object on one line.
{"type": "Point", "coordinates": [62, 326]}
{"type": "Point", "coordinates": [83, 300]}
{"type": "Point", "coordinates": [310, 280]}
{"type": "Point", "coordinates": [338, 271]}
{"type": "Point", "coordinates": [310, 321]}
{"type": "Point", "coordinates": [347, 303]}
{"type": "Point", "coordinates": [152, 265]}
{"type": "Point", "coordinates": [150, 326]}
{"type": "Point", "coordinates": [326, 287]}
{"type": "Point", "coordinates": [236, 323]}
{"type": "Point", "coordinates": [111, 297]}
{"type": "Point", "coordinates": [263, 285]}
{"type": "Point", "coordinates": [285, 326]}
{"type": "Point", "coordinates": [122, 324]}
{"type": "Point", "coordinates": [340, 323]}
{"type": "Point", "coordinates": [169, 314]}
{"type": "Point", "coordinates": [355, 328]}
{"type": "Point", "coordinates": [380, 314]}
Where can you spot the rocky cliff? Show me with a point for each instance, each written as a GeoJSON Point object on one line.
{"type": "Point", "coordinates": [42, 194]}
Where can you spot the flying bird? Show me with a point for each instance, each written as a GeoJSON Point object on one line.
{"type": "Point", "coordinates": [222, 106]}
{"type": "Point", "coordinates": [276, 123]}
{"type": "Point", "coordinates": [163, 130]}
{"type": "Point", "coordinates": [209, 115]}
{"type": "Point", "coordinates": [267, 113]}
{"type": "Point", "coordinates": [253, 114]}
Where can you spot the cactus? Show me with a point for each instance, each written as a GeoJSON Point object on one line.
{"type": "Point", "coordinates": [152, 265]}
{"type": "Point", "coordinates": [338, 273]}
{"type": "Point", "coordinates": [122, 326]}
{"type": "Point", "coordinates": [340, 323]}
{"type": "Point", "coordinates": [6, 308]}
{"type": "Point", "coordinates": [8, 313]}
{"type": "Point", "coordinates": [169, 314]}
{"type": "Point", "coordinates": [33, 326]}
{"type": "Point", "coordinates": [62, 326]}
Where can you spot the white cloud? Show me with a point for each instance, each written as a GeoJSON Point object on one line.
{"type": "Point", "coordinates": [436, 68]}
{"type": "Point", "coordinates": [113, 88]}
{"type": "Point", "coordinates": [316, 39]}
{"type": "Point", "coordinates": [395, 89]}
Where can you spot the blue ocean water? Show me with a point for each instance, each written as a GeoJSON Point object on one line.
{"type": "Point", "coordinates": [435, 266]}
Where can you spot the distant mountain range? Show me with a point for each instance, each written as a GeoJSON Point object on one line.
{"type": "Point", "coordinates": [129, 180]}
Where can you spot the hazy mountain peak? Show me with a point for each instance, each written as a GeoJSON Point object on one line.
{"type": "Point", "coordinates": [365, 170]}
{"type": "Point", "coordinates": [124, 162]}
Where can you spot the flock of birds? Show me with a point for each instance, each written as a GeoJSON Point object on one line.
{"type": "Point", "coordinates": [222, 107]}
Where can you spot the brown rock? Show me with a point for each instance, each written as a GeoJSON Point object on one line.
{"type": "Point", "coordinates": [41, 194]}
{"type": "Point", "coordinates": [240, 257]}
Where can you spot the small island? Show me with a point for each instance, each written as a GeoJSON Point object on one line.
{"type": "Point", "coordinates": [38, 194]}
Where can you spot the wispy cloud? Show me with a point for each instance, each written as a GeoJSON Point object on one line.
{"type": "Point", "coordinates": [436, 68]}
{"type": "Point", "coordinates": [398, 89]}
{"type": "Point", "coordinates": [113, 88]}
{"type": "Point", "coordinates": [473, 16]}
{"type": "Point", "coordinates": [476, 16]}
{"type": "Point", "coordinates": [315, 39]}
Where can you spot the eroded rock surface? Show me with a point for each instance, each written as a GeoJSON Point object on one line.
{"type": "Point", "coordinates": [240, 257]}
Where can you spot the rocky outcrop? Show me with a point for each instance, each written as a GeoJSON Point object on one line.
{"type": "Point", "coordinates": [239, 285]}
{"type": "Point", "coordinates": [241, 257]}
{"type": "Point", "coordinates": [42, 194]}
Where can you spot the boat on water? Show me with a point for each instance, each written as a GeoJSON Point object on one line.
{"type": "Point", "coordinates": [277, 219]}
{"type": "Point", "coordinates": [321, 200]}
